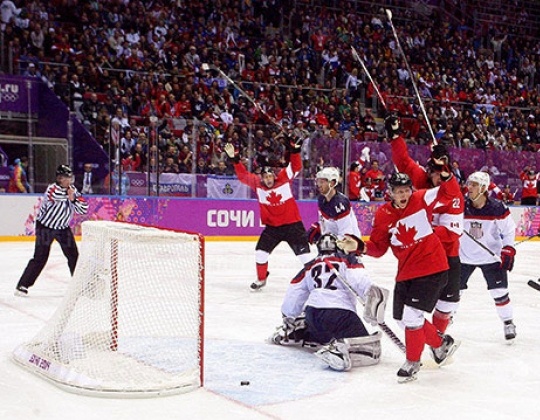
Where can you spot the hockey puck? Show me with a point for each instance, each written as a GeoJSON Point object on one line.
{"type": "Point", "coordinates": [244, 383]}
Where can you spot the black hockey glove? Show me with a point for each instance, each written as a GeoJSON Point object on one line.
{"type": "Point", "coordinates": [392, 126]}
{"type": "Point", "coordinates": [439, 152]}
{"type": "Point", "coordinates": [439, 165]}
{"type": "Point", "coordinates": [293, 143]}
{"type": "Point", "coordinates": [446, 173]}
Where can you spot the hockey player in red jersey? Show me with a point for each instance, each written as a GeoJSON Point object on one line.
{"type": "Point", "coordinates": [279, 210]}
{"type": "Point", "coordinates": [447, 214]}
{"type": "Point", "coordinates": [404, 226]}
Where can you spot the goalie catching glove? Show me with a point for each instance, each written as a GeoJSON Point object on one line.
{"type": "Point", "coordinates": [508, 254]}
{"type": "Point", "coordinates": [351, 244]}
{"type": "Point", "coordinates": [229, 150]}
{"type": "Point", "coordinates": [376, 298]}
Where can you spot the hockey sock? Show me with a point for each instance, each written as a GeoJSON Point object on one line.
{"type": "Point", "coordinates": [414, 343]}
{"type": "Point", "coordinates": [262, 271]}
{"type": "Point", "coordinates": [441, 320]}
{"type": "Point", "coordinates": [433, 337]}
{"type": "Point", "coordinates": [502, 303]}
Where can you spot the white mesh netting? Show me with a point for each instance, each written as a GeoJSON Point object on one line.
{"type": "Point", "coordinates": [131, 321]}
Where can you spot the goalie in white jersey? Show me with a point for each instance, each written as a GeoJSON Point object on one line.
{"type": "Point", "coordinates": [488, 243]}
{"type": "Point", "coordinates": [329, 306]}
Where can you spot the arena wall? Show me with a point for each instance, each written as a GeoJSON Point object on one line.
{"type": "Point", "coordinates": [215, 219]}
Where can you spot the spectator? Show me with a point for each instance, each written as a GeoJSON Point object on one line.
{"type": "Point", "coordinates": [170, 166]}
{"type": "Point", "coordinates": [90, 110]}
{"type": "Point", "coordinates": [354, 182]}
{"type": "Point", "coordinates": [18, 182]}
{"type": "Point", "coordinates": [87, 182]}
{"type": "Point", "coordinates": [458, 173]}
{"type": "Point", "coordinates": [506, 196]}
{"type": "Point", "coordinates": [223, 169]}
{"type": "Point", "coordinates": [529, 193]}
{"type": "Point", "coordinates": [377, 178]}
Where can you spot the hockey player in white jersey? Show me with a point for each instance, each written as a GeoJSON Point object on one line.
{"type": "Point", "coordinates": [329, 306]}
{"type": "Point", "coordinates": [488, 243]}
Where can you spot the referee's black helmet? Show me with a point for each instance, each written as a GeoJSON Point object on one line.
{"type": "Point", "coordinates": [64, 170]}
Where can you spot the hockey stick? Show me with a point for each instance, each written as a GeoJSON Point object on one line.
{"type": "Point", "coordinates": [535, 284]}
{"type": "Point", "coordinates": [245, 95]}
{"type": "Point", "coordinates": [357, 58]}
{"type": "Point", "coordinates": [385, 328]}
{"type": "Point", "coordinates": [528, 238]}
{"type": "Point", "coordinates": [421, 103]}
{"type": "Point", "coordinates": [481, 245]}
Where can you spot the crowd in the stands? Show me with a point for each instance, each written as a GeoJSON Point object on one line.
{"type": "Point", "coordinates": [236, 70]}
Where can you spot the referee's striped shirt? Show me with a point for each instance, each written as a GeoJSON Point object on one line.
{"type": "Point", "coordinates": [56, 210]}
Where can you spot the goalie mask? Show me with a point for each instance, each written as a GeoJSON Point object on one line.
{"type": "Point", "coordinates": [327, 244]}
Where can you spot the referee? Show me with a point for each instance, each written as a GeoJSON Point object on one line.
{"type": "Point", "coordinates": [60, 201]}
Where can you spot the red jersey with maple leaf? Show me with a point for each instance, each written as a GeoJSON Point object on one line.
{"type": "Point", "coordinates": [447, 215]}
{"type": "Point", "coordinates": [277, 204]}
{"type": "Point", "coordinates": [408, 232]}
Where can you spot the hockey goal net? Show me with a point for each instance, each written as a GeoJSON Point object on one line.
{"type": "Point", "coordinates": [131, 323]}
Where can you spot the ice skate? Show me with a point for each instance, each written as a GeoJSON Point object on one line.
{"type": "Point", "coordinates": [509, 331]}
{"type": "Point", "coordinates": [336, 356]}
{"type": "Point", "coordinates": [259, 284]}
{"type": "Point", "coordinates": [21, 291]}
{"type": "Point", "coordinates": [408, 371]}
{"type": "Point", "coordinates": [442, 354]}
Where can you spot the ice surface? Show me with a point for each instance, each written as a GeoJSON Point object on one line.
{"type": "Point", "coordinates": [487, 380]}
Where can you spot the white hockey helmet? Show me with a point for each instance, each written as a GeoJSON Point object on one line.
{"type": "Point", "coordinates": [329, 173]}
{"type": "Point", "coordinates": [481, 178]}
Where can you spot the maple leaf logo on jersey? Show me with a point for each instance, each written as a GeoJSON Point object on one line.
{"type": "Point", "coordinates": [406, 235]}
{"type": "Point", "coordinates": [274, 199]}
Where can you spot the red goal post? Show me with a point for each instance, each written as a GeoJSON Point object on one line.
{"type": "Point", "coordinates": [132, 321]}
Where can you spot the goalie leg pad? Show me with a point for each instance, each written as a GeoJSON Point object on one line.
{"type": "Point", "coordinates": [376, 299]}
{"type": "Point", "coordinates": [365, 351]}
{"type": "Point", "coordinates": [336, 355]}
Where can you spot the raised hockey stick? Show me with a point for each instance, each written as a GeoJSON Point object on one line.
{"type": "Point", "coordinates": [245, 95]}
{"type": "Point", "coordinates": [421, 103]}
{"type": "Point", "coordinates": [357, 58]}
{"type": "Point", "coordinates": [385, 328]}
{"type": "Point", "coordinates": [481, 245]}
